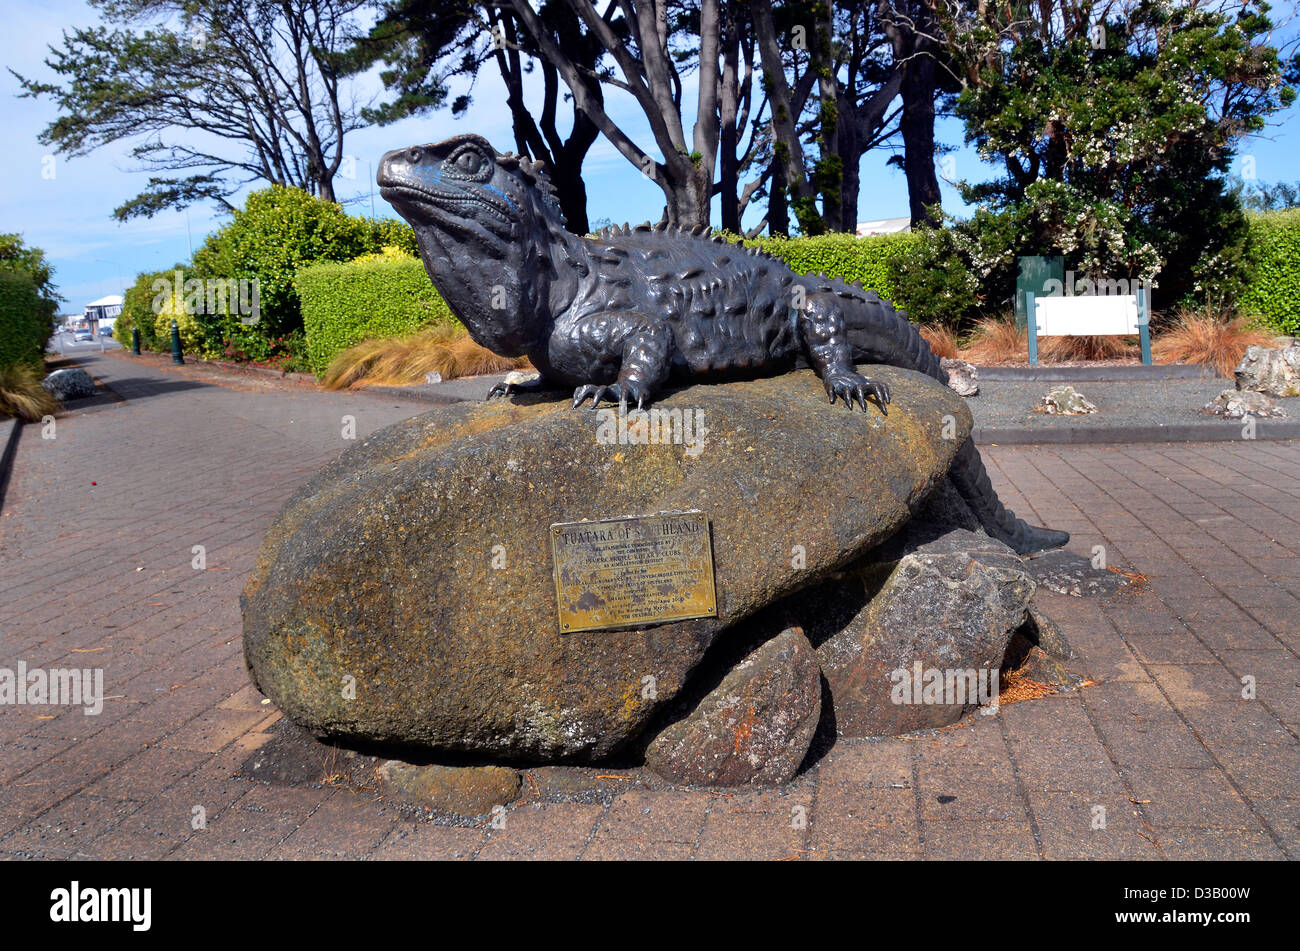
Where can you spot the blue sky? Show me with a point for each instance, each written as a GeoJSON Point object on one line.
{"type": "Point", "coordinates": [69, 214]}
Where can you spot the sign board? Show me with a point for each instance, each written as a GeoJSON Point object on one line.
{"type": "Point", "coordinates": [631, 572]}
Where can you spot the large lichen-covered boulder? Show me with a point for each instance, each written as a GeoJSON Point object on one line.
{"type": "Point", "coordinates": [754, 727]}
{"type": "Point", "coordinates": [942, 617]}
{"type": "Point", "coordinates": [405, 594]}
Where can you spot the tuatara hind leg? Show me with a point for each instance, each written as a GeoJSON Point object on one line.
{"type": "Point", "coordinates": [821, 328]}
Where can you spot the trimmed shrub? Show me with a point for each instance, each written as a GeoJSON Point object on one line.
{"type": "Point", "coordinates": [1274, 292]}
{"type": "Point", "coordinates": [25, 321]}
{"type": "Point", "coordinates": [869, 260]}
{"type": "Point", "coordinates": [140, 307]}
{"type": "Point", "coordinates": [345, 303]}
{"type": "Point", "coordinates": [277, 232]}
{"type": "Point", "coordinates": [873, 261]}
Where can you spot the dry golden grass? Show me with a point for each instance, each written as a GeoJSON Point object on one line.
{"type": "Point", "coordinates": [405, 361]}
{"type": "Point", "coordinates": [22, 396]}
{"type": "Point", "coordinates": [997, 340]}
{"type": "Point", "coordinates": [942, 341]}
{"type": "Point", "coordinates": [1075, 349]}
{"type": "Point", "coordinates": [1208, 338]}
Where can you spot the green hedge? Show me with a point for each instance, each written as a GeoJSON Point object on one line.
{"type": "Point", "coordinates": [345, 303]}
{"type": "Point", "coordinates": [870, 260]}
{"type": "Point", "coordinates": [25, 324]}
{"type": "Point", "coordinates": [1274, 293]}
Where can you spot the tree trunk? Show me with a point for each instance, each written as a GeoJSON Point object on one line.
{"type": "Point", "coordinates": [778, 207]}
{"type": "Point", "coordinates": [917, 125]}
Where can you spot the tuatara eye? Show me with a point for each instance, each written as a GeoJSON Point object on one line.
{"type": "Point", "coordinates": [469, 163]}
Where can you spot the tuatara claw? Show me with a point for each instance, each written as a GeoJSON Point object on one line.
{"type": "Point", "coordinates": [852, 387]}
{"type": "Point", "coordinates": [622, 392]}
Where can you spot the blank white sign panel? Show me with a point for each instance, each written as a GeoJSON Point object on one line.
{"type": "Point", "coordinates": [1083, 316]}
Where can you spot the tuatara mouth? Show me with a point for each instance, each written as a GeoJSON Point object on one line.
{"type": "Point", "coordinates": [414, 193]}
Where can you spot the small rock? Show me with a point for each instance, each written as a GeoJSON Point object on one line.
{"type": "Point", "coordinates": [1067, 573]}
{"type": "Point", "coordinates": [71, 383]}
{"type": "Point", "coordinates": [756, 725]}
{"type": "Point", "coordinates": [963, 377]}
{"type": "Point", "coordinates": [1238, 404]}
{"type": "Point", "coordinates": [467, 791]}
{"type": "Point", "coordinates": [521, 377]}
{"type": "Point", "coordinates": [949, 605]}
{"type": "Point", "coordinates": [1271, 370]}
{"type": "Point", "coordinates": [1067, 401]}
{"type": "Point", "coordinates": [1044, 633]}
{"type": "Point", "coordinates": [433, 377]}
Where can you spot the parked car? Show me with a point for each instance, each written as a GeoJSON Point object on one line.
{"type": "Point", "coordinates": [83, 335]}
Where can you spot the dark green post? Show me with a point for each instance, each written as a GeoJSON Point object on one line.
{"type": "Point", "coordinates": [177, 356]}
{"type": "Point", "coordinates": [135, 340]}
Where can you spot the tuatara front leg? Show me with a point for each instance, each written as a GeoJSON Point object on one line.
{"type": "Point", "coordinates": [632, 344]}
{"type": "Point", "coordinates": [821, 326]}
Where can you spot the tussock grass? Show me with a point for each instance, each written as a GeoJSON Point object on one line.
{"type": "Point", "coordinates": [1075, 349]}
{"type": "Point", "coordinates": [405, 361]}
{"type": "Point", "coordinates": [21, 394]}
{"type": "Point", "coordinates": [997, 340]}
{"type": "Point", "coordinates": [1208, 337]}
{"type": "Point", "coordinates": [943, 342]}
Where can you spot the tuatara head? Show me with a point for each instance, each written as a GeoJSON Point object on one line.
{"type": "Point", "coordinates": [486, 224]}
{"type": "Point", "coordinates": [465, 187]}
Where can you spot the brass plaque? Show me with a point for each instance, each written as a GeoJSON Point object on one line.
{"type": "Point", "coordinates": [628, 572]}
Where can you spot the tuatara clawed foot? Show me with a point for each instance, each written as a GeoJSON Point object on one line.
{"type": "Point", "coordinates": [849, 386]}
{"type": "Point", "coordinates": [621, 392]}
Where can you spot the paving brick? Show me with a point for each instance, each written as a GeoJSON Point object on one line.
{"type": "Point", "coordinates": [550, 832]}
{"type": "Point", "coordinates": [1214, 775]}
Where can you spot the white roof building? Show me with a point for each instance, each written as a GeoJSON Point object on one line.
{"type": "Point", "coordinates": [884, 226]}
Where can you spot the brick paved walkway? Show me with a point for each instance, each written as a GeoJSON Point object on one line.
{"type": "Point", "coordinates": [101, 576]}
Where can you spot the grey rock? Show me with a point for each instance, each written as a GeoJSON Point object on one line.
{"type": "Point", "coordinates": [949, 604]}
{"type": "Point", "coordinates": [1238, 404]}
{"type": "Point", "coordinates": [1041, 631]}
{"type": "Point", "coordinates": [963, 377]}
{"type": "Point", "coordinates": [1067, 401]}
{"type": "Point", "coordinates": [1067, 573]}
{"type": "Point", "coordinates": [754, 727]}
{"type": "Point", "coordinates": [1274, 371]}
{"type": "Point", "coordinates": [71, 383]}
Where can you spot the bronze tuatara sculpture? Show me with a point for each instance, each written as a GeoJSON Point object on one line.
{"type": "Point", "coordinates": [618, 315]}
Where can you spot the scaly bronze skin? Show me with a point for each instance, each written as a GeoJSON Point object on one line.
{"type": "Point", "coordinates": [616, 316]}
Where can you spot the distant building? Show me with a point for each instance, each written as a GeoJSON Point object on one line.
{"type": "Point", "coordinates": [884, 226]}
{"type": "Point", "coordinates": [102, 314]}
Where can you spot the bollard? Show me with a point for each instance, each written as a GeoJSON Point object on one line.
{"type": "Point", "coordinates": [135, 340]}
{"type": "Point", "coordinates": [177, 356]}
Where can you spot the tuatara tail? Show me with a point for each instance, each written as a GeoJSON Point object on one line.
{"type": "Point", "coordinates": [880, 334]}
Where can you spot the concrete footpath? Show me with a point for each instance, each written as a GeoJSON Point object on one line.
{"type": "Point", "coordinates": [1161, 756]}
